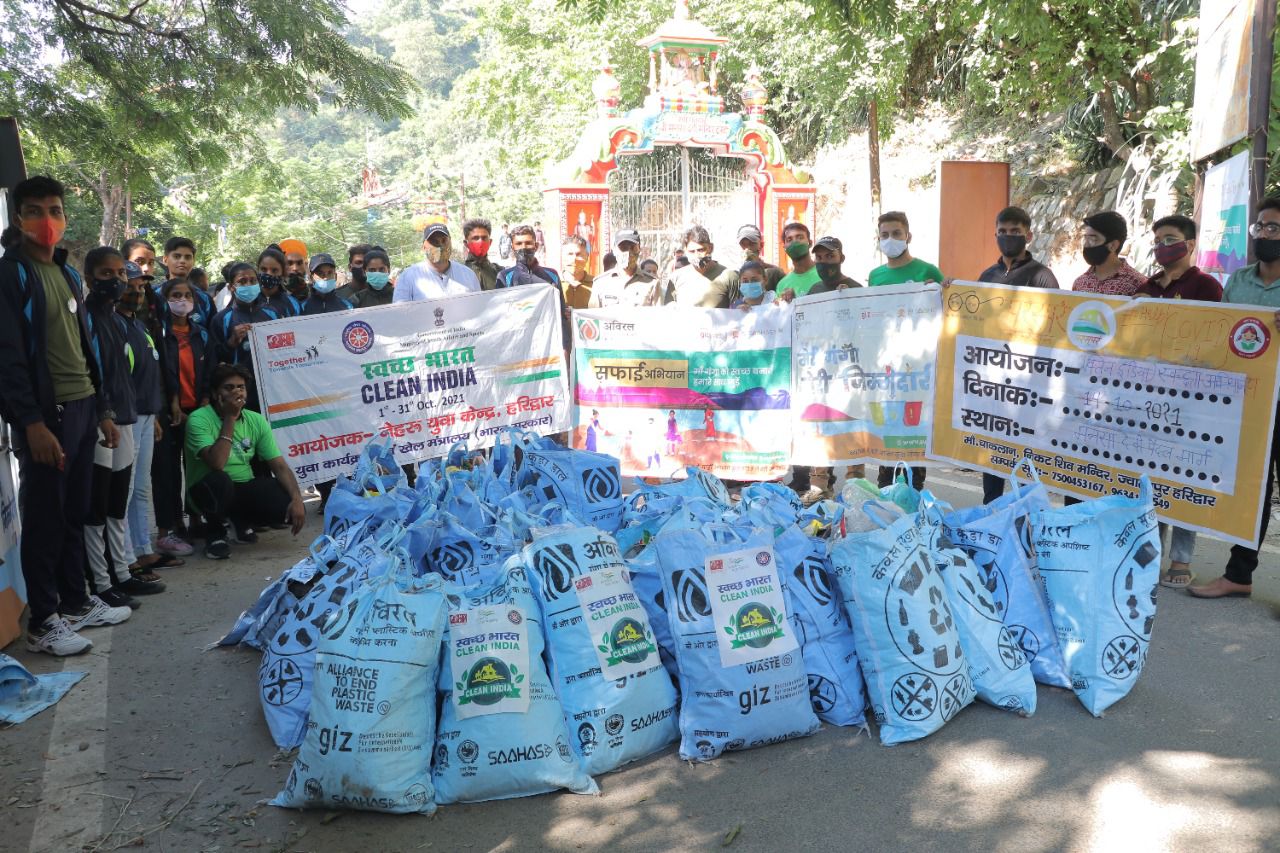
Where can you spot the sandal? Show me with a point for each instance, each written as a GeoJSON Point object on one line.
{"type": "Point", "coordinates": [1176, 578]}
{"type": "Point", "coordinates": [145, 575]}
{"type": "Point", "coordinates": [164, 561]}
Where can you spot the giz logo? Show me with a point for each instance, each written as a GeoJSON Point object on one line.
{"type": "Point", "coordinates": [583, 582]}
{"type": "Point", "coordinates": [281, 339]}
{"type": "Point", "coordinates": [457, 618]}
{"type": "Point", "coordinates": [717, 565]}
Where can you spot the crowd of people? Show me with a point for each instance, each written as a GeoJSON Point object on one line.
{"type": "Point", "coordinates": [128, 383]}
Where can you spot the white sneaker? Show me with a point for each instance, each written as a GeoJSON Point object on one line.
{"type": "Point", "coordinates": [56, 638]}
{"type": "Point", "coordinates": [97, 613]}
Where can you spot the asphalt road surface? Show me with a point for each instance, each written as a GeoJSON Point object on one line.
{"type": "Point", "coordinates": [163, 747]}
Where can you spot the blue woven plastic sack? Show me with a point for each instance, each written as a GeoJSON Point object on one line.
{"type": "Point", "coordinates": [1000, 672]}
{"type": "Point", "coordinates": [373, 711]}
{"type": "Point", "coordinates": [908, 647]}
{"type": "Point", "coordinates": [588, 484]}
{"type": "Point", "coordinates": [1101, 565]}
{"type": "Point", "coordinates": [997, 537]}
{"type": "Point", "coordinates": [288, 663]}
{"type": "Point", "coordinates": [740, 706]}
{"type": "Point", "coordinates": [826, 638]}
{"type": "Point", "coordinates": [502, 732]}
{"type": "Point", "coordinates": [635, 544]}
{"type": "Point", "coordinates": [456, 553]}
{"type": "Point", "coordinates": [618, 699]}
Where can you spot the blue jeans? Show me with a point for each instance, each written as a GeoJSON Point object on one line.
{"type": "Point", "coordinates": [140, 509]}
{"type": "Point", "coordinates": [1182, 543]}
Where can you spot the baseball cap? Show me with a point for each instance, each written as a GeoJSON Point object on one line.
{"type": "Point", "coordinates": [627, 235]}
{"type": "Point", "coordinates": [433, 229]}
{"type": "Point", "coordinates": [832, 243]}
{"type": "Point", "coordinates": [749, 232]}
{"type": "Point", "coordinates": [132, 271]}
{"type": "Point", "coordinates": [320, 260]}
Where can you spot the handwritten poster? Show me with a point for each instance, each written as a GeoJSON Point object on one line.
{"type": "Point", "coordinates": [661, 388]}
{"type": "Point", "coordinates": [863, 362]}
{"type": "Point", "coordinates": [1099, 390]}
{"type": "Point", "coordinates": [426, 374]}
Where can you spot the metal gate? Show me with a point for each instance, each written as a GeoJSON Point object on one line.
{"type": "Point", "coordinates": [662, 193]}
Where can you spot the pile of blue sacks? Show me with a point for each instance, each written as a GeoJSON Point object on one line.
{"type": "Point", "coordinates": [513, 625]}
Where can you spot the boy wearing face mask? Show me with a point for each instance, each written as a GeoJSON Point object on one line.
{"type": "Point", "coordinates": [703, 282]}
{"type": "Point", "coordinates": [105, 534]}
{"type": "Point", "coordinates": [804, 272]}
{"type": "Point", "coordinates": [477, 234]}
{"type": "Point", "coordinates": [1255, 284]}
{"type": "Point", "coordinates": [355, 268]}
{"type": "Point", "coordinates": [1103, 235]}
{"type": "Point", "coordinates": [901, 268]}
{"type": "Point", "coordinates": [828, 255]}
{"type": "Point", "coordinates": [751, 242]}
{"type": "Point", "coordinates": [628, 283]}
{"type": "Point", "coordinates": [324, 283]}
{"type": "Point", "coordinates": [377, 278]}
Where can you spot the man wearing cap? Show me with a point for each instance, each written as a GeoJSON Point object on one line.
{"type": "Point", "coordinates": [437, 276]}
{"type": "Point", "coordinates": [828, 255]}
{"type": "Point", "coordinates": [295, 268]}
{"type": "Point", "coordinates": [324, 283]}
{"type": "Point", "coordinates": [752, 244]}
{"type": "Point", "coordinates": [627, 285]}
{"type": "Point", "coordinates": [1103, 235]}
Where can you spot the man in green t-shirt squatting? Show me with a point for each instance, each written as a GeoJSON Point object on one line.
{"type": "Point", "coordinates": [223, 440]}
{"type": "Point", "coordinates": [895, 240]}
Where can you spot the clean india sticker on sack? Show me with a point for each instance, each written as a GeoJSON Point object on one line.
{"type": "Point", "coordinates": [489, 653]}
{"type": "Point", "coordinates": [748, 606]}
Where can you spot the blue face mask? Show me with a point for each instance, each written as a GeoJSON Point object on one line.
{"type": "Point", "coordinates": [752, 289]}
{"type": "Point", "coordinates": [377, 280]}
{"type": "Point", "coordinates": [248, 292]}
{"type": "Point", "coordinates": [324, 285]}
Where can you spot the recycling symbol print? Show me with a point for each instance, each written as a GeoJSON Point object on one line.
{"type": "Point", "coordinates": [919, 617]}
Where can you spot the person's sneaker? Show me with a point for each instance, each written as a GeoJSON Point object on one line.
{"type": "Point", "coordinates": [217, 549]}
{"type": "Point", "coordinates": [246, 535]}
{"type": "Point", "coordinates": [96, 613]}
{"type": "Point", "coordinates": [173, 545]}
{"type": "Point", "coordinates": [55, 637]}
{"type": "Point", "coordinates": [117, 597]}
{"type": "Point", "coordinates": [135, 585]}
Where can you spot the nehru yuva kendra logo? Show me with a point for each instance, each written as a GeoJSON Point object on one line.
{"type": "Point", "coordinates": [626, 642]}
{"type": "Point", "coordinates": [488, 682]}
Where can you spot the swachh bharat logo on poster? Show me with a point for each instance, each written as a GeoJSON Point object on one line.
{"type": "Point", "coordinates": [747, 604]}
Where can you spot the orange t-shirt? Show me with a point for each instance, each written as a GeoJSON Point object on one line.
{"type": "Point", "coordinates": [186, 370]}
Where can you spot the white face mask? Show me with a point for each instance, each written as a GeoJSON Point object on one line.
{"type": "Point", "coordinates": [893, 248]}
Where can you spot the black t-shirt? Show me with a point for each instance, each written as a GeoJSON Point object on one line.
{"type": "Point", "coordinates": [1025, 272]}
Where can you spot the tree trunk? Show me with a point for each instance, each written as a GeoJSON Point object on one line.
{"type": "Point", "coordinates": [1112, 133]}
{"type": "Point", "coordinates": [112, 196]}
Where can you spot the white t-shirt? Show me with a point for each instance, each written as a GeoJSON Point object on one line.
{"type": "Point", "coordinates": [423, 281]}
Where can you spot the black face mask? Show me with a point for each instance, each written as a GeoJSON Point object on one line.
{"type": "Point", "coordinates": [107, 288]}
{"type": "Point", "coordinates": [526, 257]}
{"type": "Point", "coordinates": [1011, 245]}
{"type": "Point", "coordinates": [270, 282]}
{"type": "Point", "coordinates": [357, 275]}
{"type": "Point", "coordinates": [1095, 255]}
{"type": "Point", "coordinates": [1266, 251]}
{"type": "Point", "coordinates": [828, 272]}
{"type": "Point", "coordinates": [297, 284]}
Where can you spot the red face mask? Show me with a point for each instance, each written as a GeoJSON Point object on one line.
{"type": "Point", "coordinates": [45, 231]}
{"type": "Point", "coordinates": [479, 248]}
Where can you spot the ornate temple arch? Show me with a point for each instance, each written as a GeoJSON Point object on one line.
{"type": "Point", "coordinates": [683, 116]}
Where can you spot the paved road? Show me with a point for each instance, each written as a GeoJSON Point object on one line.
{"type": "Point", "coordinates": [165, 742]}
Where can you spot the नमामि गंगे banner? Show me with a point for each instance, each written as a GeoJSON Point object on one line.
{"type": "Point", "coordinates": [426, 374]}
{"type": "Point", "coordinates": [863, 369]}
{"type": "Point", "coordinates": [1098, 390]}
{"type": "Point", "coordinates": [661, 388]}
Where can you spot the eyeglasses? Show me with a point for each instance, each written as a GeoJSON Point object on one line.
{"type": "Point", "coordinates": [1269, 230]}
{"type": "Point", "coordinates": [1169, 240]}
